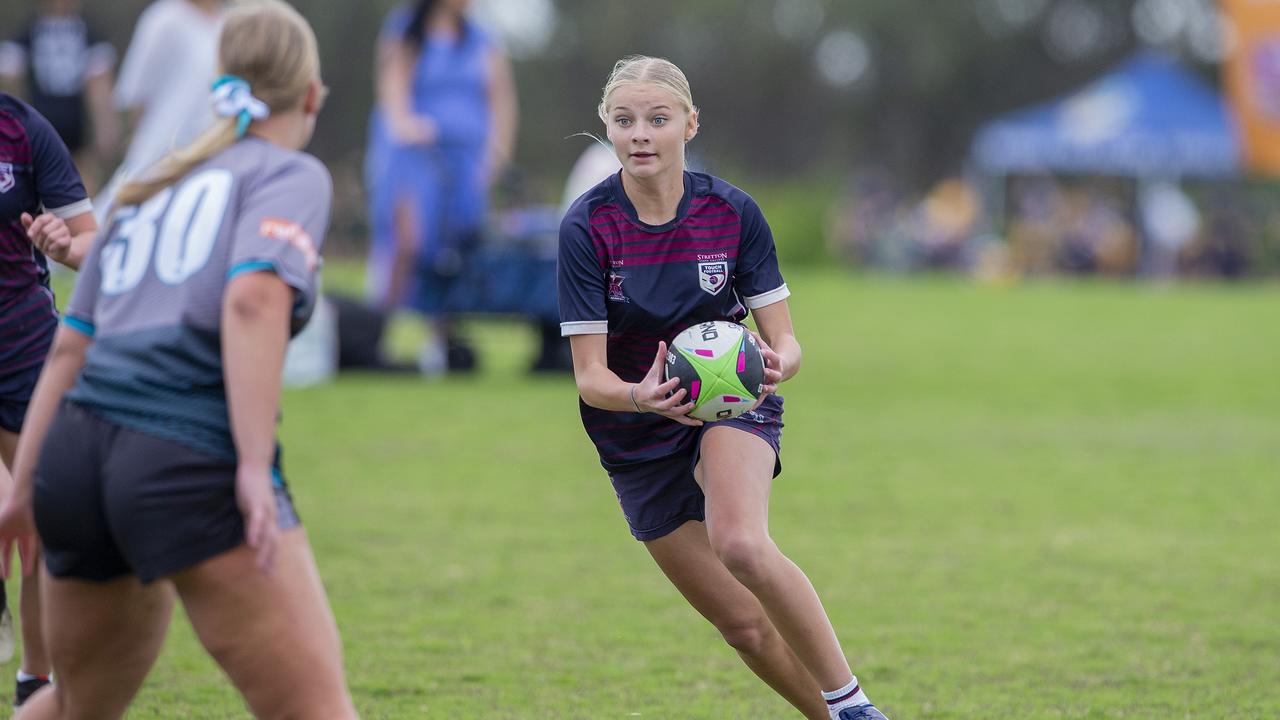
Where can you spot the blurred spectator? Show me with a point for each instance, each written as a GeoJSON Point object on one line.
{"type": "Point", "coordinates": [1170, 222]}
{"type": "Point", "coordinates": [1223, 246]}
{"type": "Point", "coordinates": [1096, 235]}
{"type": "Point", "coordinates": [518, 275]}
{"type": "Point", "coordinates": [948, 215]}
{"type": "Point", "coordinates": [875, 226]}
{"type": "Point", "coordinates": [164, 83]}
{"type": "Point", "coordinates": [597, 162]}
{"type": "Point", "coordinates": [862, 222]}
{"type": "Point", "coordinates": [1036, 208]}
{"type": "Point", "coordinates": [63, 67]}
{"type": "Point", "coordinates": [442, 132]}
{"type": "Point", "coordinates": [1081, 227]}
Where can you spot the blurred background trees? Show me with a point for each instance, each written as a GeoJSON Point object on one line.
{"type": "Point", "coordinates": [795, 94]}
{"type": "Point", "coordinates": [787, 87]}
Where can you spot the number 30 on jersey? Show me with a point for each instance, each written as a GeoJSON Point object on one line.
{"type": "Point", "coordinates": [180, 226]}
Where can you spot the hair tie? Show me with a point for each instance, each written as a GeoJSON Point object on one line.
{"type": "Point", "coordinates": [232, 97]}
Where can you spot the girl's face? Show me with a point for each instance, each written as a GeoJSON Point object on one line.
{"type": "Point", "coordinates": [649, 127]}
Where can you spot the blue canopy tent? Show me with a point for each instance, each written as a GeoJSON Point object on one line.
{"type": "Point", "coordinates": [1150, 117]}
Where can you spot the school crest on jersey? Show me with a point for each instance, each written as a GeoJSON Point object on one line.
{"type": "Point", "coordinates": [713, 276]}
{"type": "Point", "coordinates": [615, 287]}
{"type": "Point", "coordinates": [6, 177]}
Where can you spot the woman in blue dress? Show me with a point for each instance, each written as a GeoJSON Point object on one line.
{"type": "Point", "coordinates": [443, 128]}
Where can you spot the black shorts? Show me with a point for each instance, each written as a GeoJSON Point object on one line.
{"type": "Point", "coordinates": [111, 502]}
{"type": "Point", "coordinates": [15, 395]}
{"type": "Point", "coordinates": [659, 496]}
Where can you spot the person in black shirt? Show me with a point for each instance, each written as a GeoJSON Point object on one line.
{"type": "Point", "coordinates": [63, 67]}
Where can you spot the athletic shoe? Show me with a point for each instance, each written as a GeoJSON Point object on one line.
{"type": "Point", "coordinates": [7, 637]}
{"type": "Point", "coordinates": [27, 688]}
{"type": "Point", "coordinates": [862, 712]}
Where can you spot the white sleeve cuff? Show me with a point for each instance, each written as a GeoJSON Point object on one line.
{"type": "Point", "coordinates": [767, 298]}
{"type": "Point", "coordinates": [66, 212]}
{"type": "Point", "coordinates": [589, 327]}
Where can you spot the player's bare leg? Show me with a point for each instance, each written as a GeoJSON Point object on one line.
{"type": "Point", "coordinates": [273, 634]}
{"type": "Point", "coordinates": [35, 661]}
{"type": "Point", "coordinates": [404, 260]}
{"type": "Point", "coordinates": [103, 639]}
{"type": "Point", "coordinates": [8, 635]}
{"type": "Point", "coordinates": [736, 474]}
{"type": "Point", "coordinates": [687, 559]}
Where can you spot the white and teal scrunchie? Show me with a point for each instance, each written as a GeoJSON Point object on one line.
{"type": "Point", "coordinates": [232, 97]}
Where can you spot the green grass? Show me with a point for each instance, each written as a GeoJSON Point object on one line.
{"type": "Point", "coordinates": [1041, 501]}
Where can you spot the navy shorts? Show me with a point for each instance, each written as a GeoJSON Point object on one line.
{"type": "Point", "coordinates": [659, 496]}
{"type": "Point", "coordinates": [15, 395]}
{"type": "Point", "coordinates": [111, 502]}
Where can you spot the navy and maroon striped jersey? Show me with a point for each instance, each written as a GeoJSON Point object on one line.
{"type": "Point", "coordinates": [641, 283]}
{"type": "Point", "coordinates": [36, 173]}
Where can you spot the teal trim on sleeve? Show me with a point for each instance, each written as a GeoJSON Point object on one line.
{"type": "Point", "coordinates": [248, 267]}
{"type": "Point", "coordinates": [81, 326]}
{"type": "Point", "coordinates": [276, 478]}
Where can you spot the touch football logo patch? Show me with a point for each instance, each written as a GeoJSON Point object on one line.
{"type": "Point", "coordinates": [615, 287]}
{"type": "Point", "coordinates": [713, 276]}
{"type": "Point", "coordinates": [6, 177]}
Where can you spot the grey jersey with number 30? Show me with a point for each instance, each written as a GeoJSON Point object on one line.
{"type": "Point", "coordinates": [150, 292]}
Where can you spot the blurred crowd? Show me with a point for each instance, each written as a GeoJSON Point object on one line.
{"type": "Point", "coordinates": [1042, 225]}
{"type": "Point", "coordinates": [452, 229]}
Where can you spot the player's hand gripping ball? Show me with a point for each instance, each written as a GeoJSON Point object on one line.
{"type": "Point", "coordinates": [720, 367]}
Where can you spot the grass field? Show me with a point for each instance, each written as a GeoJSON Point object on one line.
{"type": "Point", "coordinates": [1041, 501]}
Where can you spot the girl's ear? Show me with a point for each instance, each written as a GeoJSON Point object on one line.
{"type": "Point", "coordinates": [314, 99]}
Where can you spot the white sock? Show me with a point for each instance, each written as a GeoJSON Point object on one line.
{"type": "Point", "coordinates": [24, 676]}
{"type": "Point", "coordinates": [850, 695]}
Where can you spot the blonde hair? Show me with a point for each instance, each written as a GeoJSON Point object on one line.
{"type": "Point", "coordinates": [645, 70]}
{"type": "Point", "coordinates": [269, 45]}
